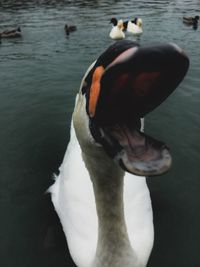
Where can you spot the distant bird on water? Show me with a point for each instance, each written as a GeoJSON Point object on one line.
{"type": "Point", "coordinates": [116, 32]}
{"type": "Point", "coordinates": [114, 21]}
{"type": "Point", "coordinates": [70, 28]}
{"type": "Point", "coordinates": [13, 33]}
{"type": "Point", "coordinates": [191, 21]}
{"type": "Point", "coordinates": [135, 26]}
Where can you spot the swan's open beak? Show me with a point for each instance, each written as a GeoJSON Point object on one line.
{"type": "Point", "coordinates": [133, 84]}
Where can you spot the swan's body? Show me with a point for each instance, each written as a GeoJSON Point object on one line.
{"type": "Point", "coordinates": [105, 212]}
{"type": "Point", "coordinates": [116, 32]}
{"type": "Point", "coordinates": [135, 27]}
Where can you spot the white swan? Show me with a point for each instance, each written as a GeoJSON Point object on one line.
{"type": "Point", "coordinates": [116, 32]}
{"type": "Point", "coordinates": [135, 27]}
{"type": "Point", "coordinates": [105, 211]}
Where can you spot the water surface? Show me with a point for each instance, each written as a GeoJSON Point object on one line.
{"type": "Point", "coordinates": [40, 75]}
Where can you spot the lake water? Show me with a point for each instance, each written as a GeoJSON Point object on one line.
{"type": "Point", "coordinates": [40, 75]}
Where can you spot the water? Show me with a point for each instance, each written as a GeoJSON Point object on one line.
{"type": "Point", "coordinates": [40, 76]}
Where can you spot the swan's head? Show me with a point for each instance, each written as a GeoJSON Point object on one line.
{"type": "Point", "coordinates": [124, 84]}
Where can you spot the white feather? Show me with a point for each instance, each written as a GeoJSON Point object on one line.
{"type": "Point", "coordinates": [135, 29]}
{"type": "Point", "coordinates": [116, 32]}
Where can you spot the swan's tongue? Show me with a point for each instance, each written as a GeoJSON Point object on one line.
{"type": "Point", "coordinates": [136, 152]}
{"type": "Point", "coordinates": [133, 84]}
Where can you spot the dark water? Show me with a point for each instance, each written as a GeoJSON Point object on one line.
{"type": "Point", "coordinates": [40, 75]}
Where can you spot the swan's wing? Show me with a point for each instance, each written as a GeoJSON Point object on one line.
{"type": "Point", "coordinates": [138, 215]}
{"type": "Point", "coordinates": [74, 202]}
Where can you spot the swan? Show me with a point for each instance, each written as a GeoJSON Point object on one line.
{"type": "Point", "coordinates": [135, 27]}
{"type": "Point", "coordinates": [116, 32]}
{"type": "Point", "coordinates": [100, 194]}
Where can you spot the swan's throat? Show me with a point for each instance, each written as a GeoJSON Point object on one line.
{"type": "Point", "coordinates": [113, 246]}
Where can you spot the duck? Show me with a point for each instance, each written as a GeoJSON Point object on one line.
{"type": "Point", "coordinates": [70, 28]}
{"type": "Point", "coordinates": [114, 21]}
{"type": "Point", "coordinates": [100, 194]}
{"type": "Point", "coordinates": [116, 32]}
{"type": "Point", "coordinates": [13, 33]}
{"type": "Point", "coordinates": [191, 21]}
{"type": "Point", "coordinates": [135, 26]}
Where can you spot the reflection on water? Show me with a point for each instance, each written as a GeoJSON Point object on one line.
{"type": "Point", "coordinates": [51, 3]}
{"type": "Point", "coordinates": [40, 76]}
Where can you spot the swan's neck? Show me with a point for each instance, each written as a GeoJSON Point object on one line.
{"type": "Point", "coordinates": [113, 246]}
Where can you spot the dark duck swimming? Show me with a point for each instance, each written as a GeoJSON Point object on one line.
{"type": "Point", "coordinates": [70, 28]}
{"type": "Point", "coordinates": [13, 33]}
{"type": "Point", "coordinates": [191, 21]}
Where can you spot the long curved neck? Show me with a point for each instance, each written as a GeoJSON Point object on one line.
{"type": "Point", "coordinates": [113, 247]}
